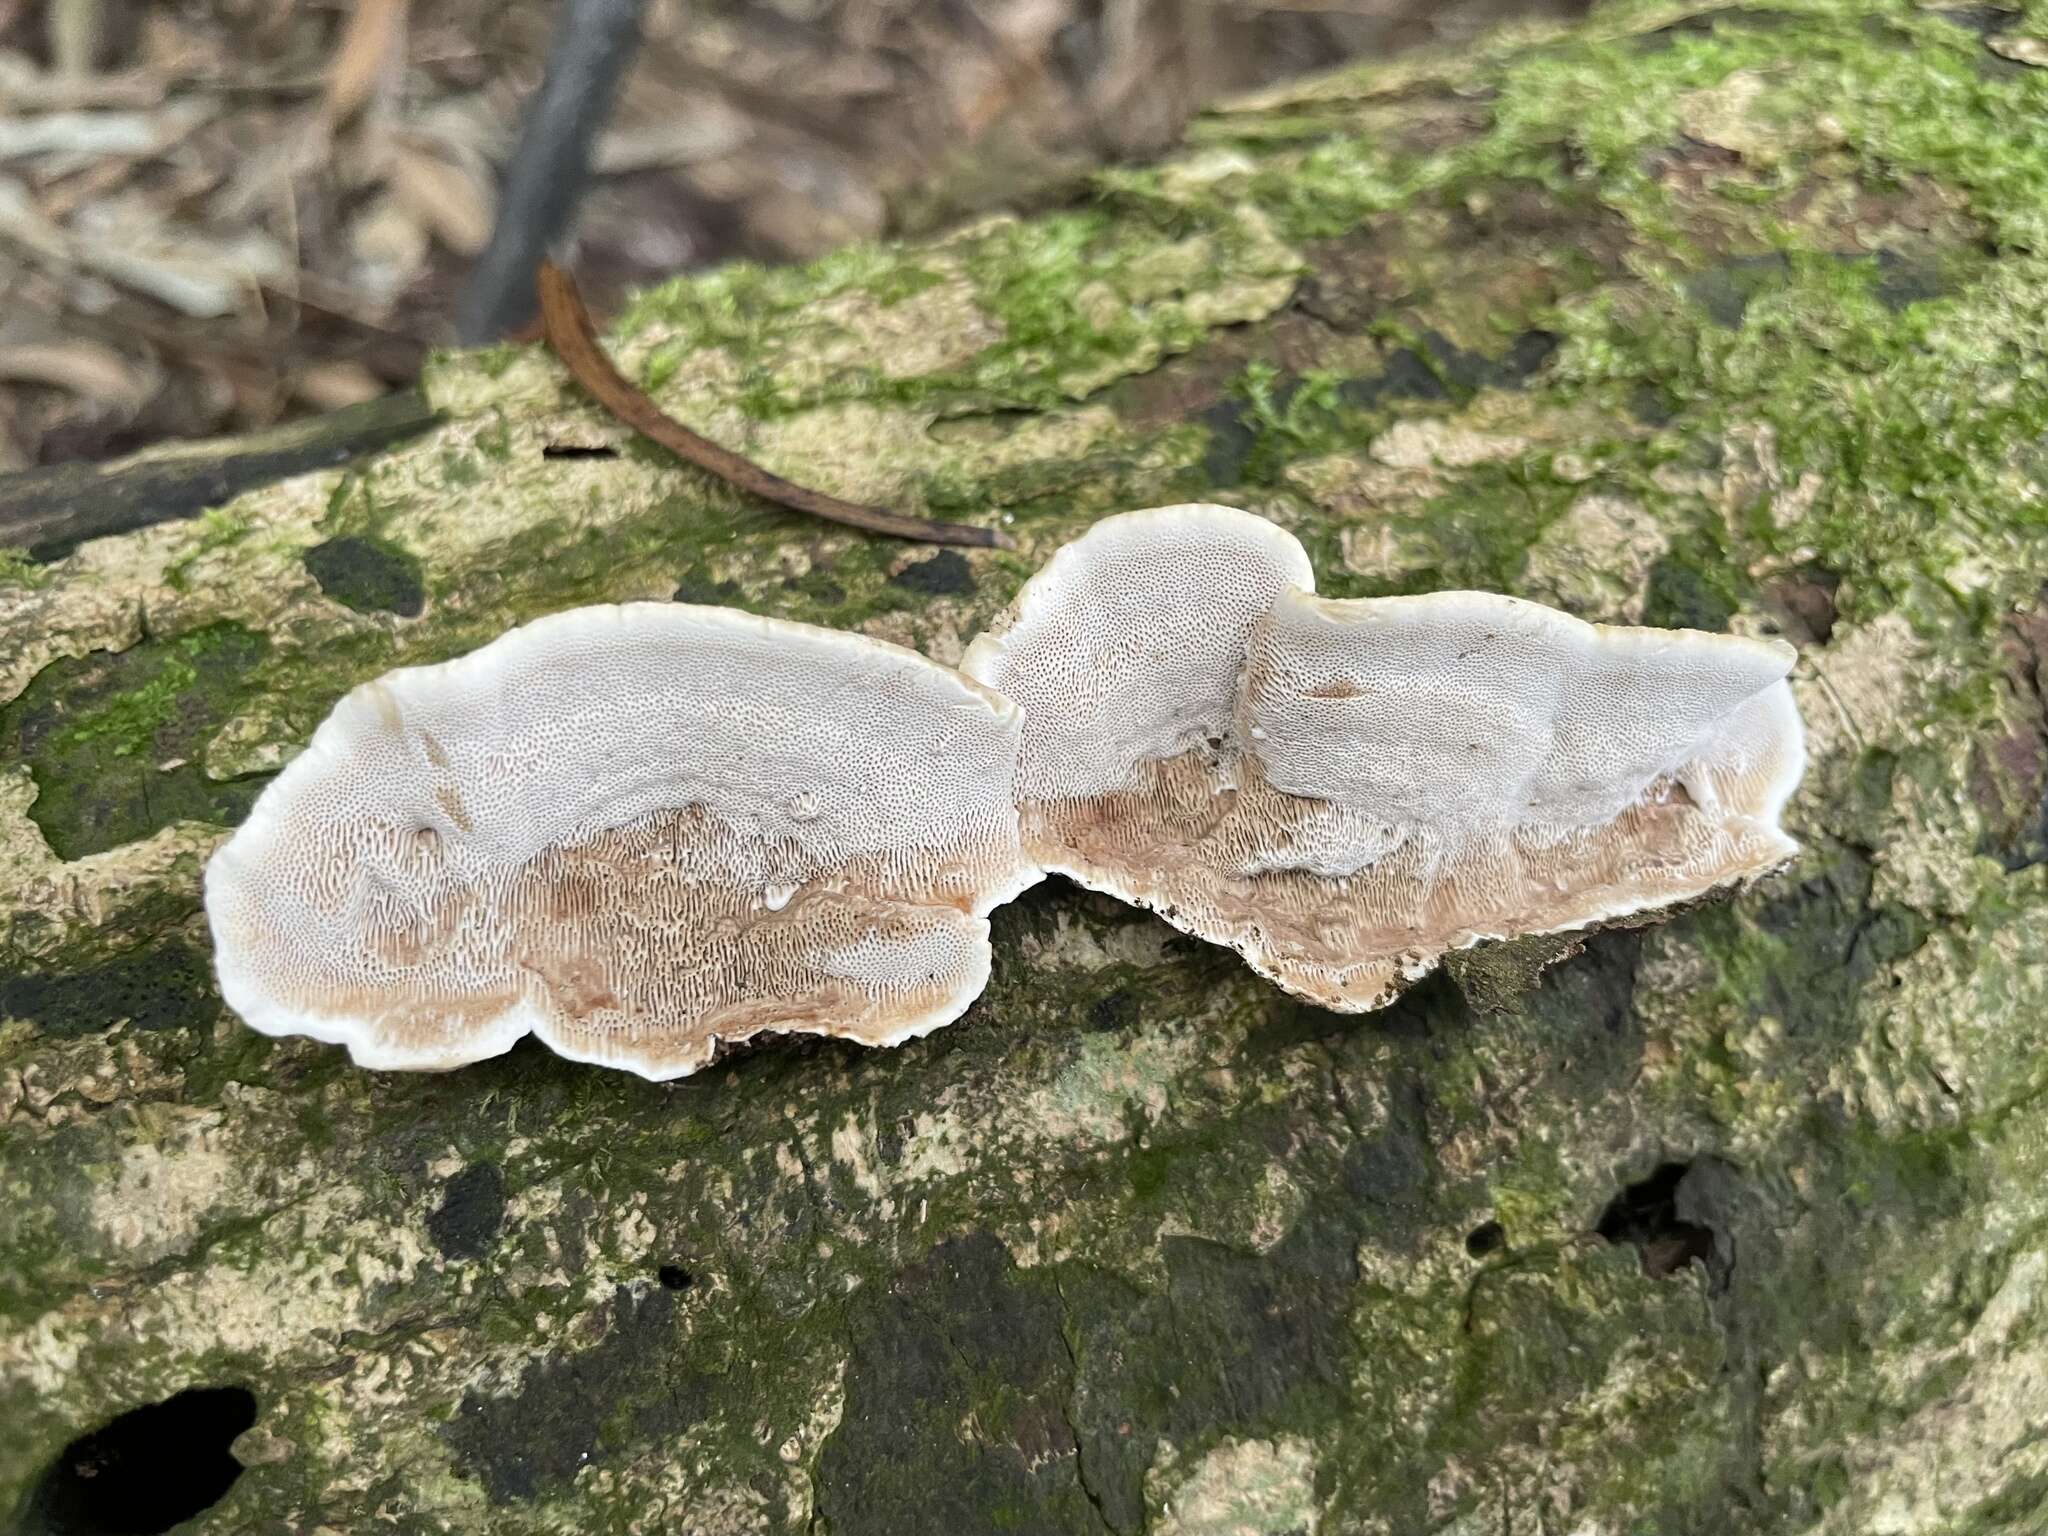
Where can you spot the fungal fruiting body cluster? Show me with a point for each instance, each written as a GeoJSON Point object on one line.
{"type": "Point", "coordinates": [642, 831]}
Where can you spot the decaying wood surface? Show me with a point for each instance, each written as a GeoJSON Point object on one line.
{"type": "Point", "coordinates": [1730, 319]}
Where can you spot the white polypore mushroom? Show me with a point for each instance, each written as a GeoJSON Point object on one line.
{"type": "Point", "coordinates": [636, 832]}
{"type": "Point", "coordinates": [1126, 649]}
{"type": "Point", "coordinates": [1345, 790]}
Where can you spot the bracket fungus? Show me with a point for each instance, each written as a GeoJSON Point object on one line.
{"type": "Point", "coordinates": [641, 831]}
{"type": "Point", "coordinates": [636, 832]}
{"type": "Point", "coordinates": [1344, 791]}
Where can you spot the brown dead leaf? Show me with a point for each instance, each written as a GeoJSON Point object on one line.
{"type": "Point", "coordinates": [390, 245]}
{"type": "Point", "coordinates": [445, 199]}
{"type": "Point", "coordinates": [375, 31]}
{"type": "Point", "coordinates": [334, 385]}
{"type": "Point", "coordinates": [84, 368]}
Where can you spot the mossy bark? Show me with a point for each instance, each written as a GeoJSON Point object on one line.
{"type": "Point", "coordinates": [1733, 1223]}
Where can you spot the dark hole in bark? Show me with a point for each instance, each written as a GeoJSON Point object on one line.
{"type": "Point", "coordinates": [578, 451]}
{"type": "Point", "coordinates": [1487, 1237]}
{"type": "Point", "coordinates": [145, 1471]}
{"type": "Point", "coordinates": [1803, 603]}
{"type": "Point", "coordinates": [1646, 1214]}
{"type": "Point", "coordinates": [674, 1277]}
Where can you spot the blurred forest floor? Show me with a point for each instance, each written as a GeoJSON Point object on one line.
{"type": "Point", "coordinates": [215, 214]}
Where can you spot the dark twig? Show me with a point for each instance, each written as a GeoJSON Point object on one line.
{"type": "Point", "coordinates": [594, 41]}
{"type": "Point", "coordinates": [572, 338]}
{"type": "Point", "coordinates": [51, 511]}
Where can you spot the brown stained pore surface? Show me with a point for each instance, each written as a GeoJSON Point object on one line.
{"type": "Point", "coordinates": [1189, 838]}
{"type": "Point", "coordinates": [637, 946]}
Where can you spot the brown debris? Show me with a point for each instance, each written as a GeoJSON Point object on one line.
{"type": "Point", "coordinates": [246, 198]}
{"type": "Point", "coordinates": [369, 44]}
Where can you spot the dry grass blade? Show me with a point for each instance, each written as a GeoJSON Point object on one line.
{"type": "Point", "coordinates": [25, 89]}
{"type": "Point", "coordinates": [573, 339]}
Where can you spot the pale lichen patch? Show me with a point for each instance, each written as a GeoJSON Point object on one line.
{"type": "Point", "coordinates": [303, 1277]}
{"type": "Point", "coordinates": [1354, 489]}
{"type": "Point", "coordinates": [60, 1080]}
{"type": "Point", "coordinates": [1434, 443]}
{"type": "Point", "coordinates": [1868, 687]}
{"type": "Point", "coordinates": [1268, 1213]}
{"type": "Point", "coordinates": [54, 902]}
{"type": "Point", "coordinates": [165, 1187]}
{"type": "Point", "coordinates": [495, 386]}
{"type": "Point", "coordinates": [164, 581]}
{"type": "Point", "coordinates": [262, 739]}
{"type": "Point", "coordinates": [635, 1235]}
{"type": "Point", "coordinates": [1906, 1482]}
{"type": "Point", "coordinates": [39, 625]}
{"type": "Point", "coordinates": [935, 1147]}
{"type": "Point", "coordinates": [1241, 1488]}
{"type": "Point", "coordinates": [1743, 115]}
{"type": "Point", "coordinates": [515, 490]}
{"type": "Point", "coordinates": [1110, 1078]}
{"type": "Point", "coordinates": [799, 1451]}
{"type": "Point", "coordinates": [941, 327]}
{"type": "Point", "coordinates": [1930, 863]}
{"type": "Point", "coordinates": [1914, 1069]}
{"type": "Point", "coordinates": [851, 1143]}
{"type": "Point", "coordinates": [1083, 941]}
{"type": "Point", "coordinates": [42, 1354]}
{"type": "Point", "coordinates": [1595, 561]}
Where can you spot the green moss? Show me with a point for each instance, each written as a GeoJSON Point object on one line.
{"type": "Point", "coordinates": [1076, 298]}
{"type": "Point", "coordinates": [115, 739]}
{"type": "Point", "coordinates": [1881, 389]}
{"type": "Point", "coordinates": [1031, 278]}
{"type": "Point", "coordinates": [219, 528]}
{"type": "Point", "coordinates": [738, 302]}
{"type": "Point", "coordinates": [460, 470]}
{"type": "Point", "coordinates": [1297, 418]}
{"type": "Point", "coordinates": [566, 560]}
{"type": "Point", "coordinates": [1693, 586]}
{"type": "Point", "coordinates": [354, 507]}
{"type": "Point", "coordinates": [749, 309]}
{"type": "Point", "coordinates": [18, 570]}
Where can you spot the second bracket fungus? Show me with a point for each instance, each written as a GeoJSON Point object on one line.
{"type": "Point", "coordinates": [635, 831]}
{"type": "Point", "coordinates": [1343, 791]}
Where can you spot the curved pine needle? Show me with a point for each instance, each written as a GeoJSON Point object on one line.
{"type": "Point", "coordinates": [571, 337]}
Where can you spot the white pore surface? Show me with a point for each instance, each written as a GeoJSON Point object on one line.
{"type": "Point", "coordinates": [1128, 645]}
{"type": "Point", "coordinates": [1459, 713]}
{"type": "Point", "coordinates": [357, 900]}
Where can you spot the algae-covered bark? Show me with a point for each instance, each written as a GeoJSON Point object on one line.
{"type": "Point", "coordinates": [1734, 319]}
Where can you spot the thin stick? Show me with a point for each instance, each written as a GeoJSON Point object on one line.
{"type": "Point", "coordinates": [572, 338]}
{"type": "Point", "coordinates": [594, 43]}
